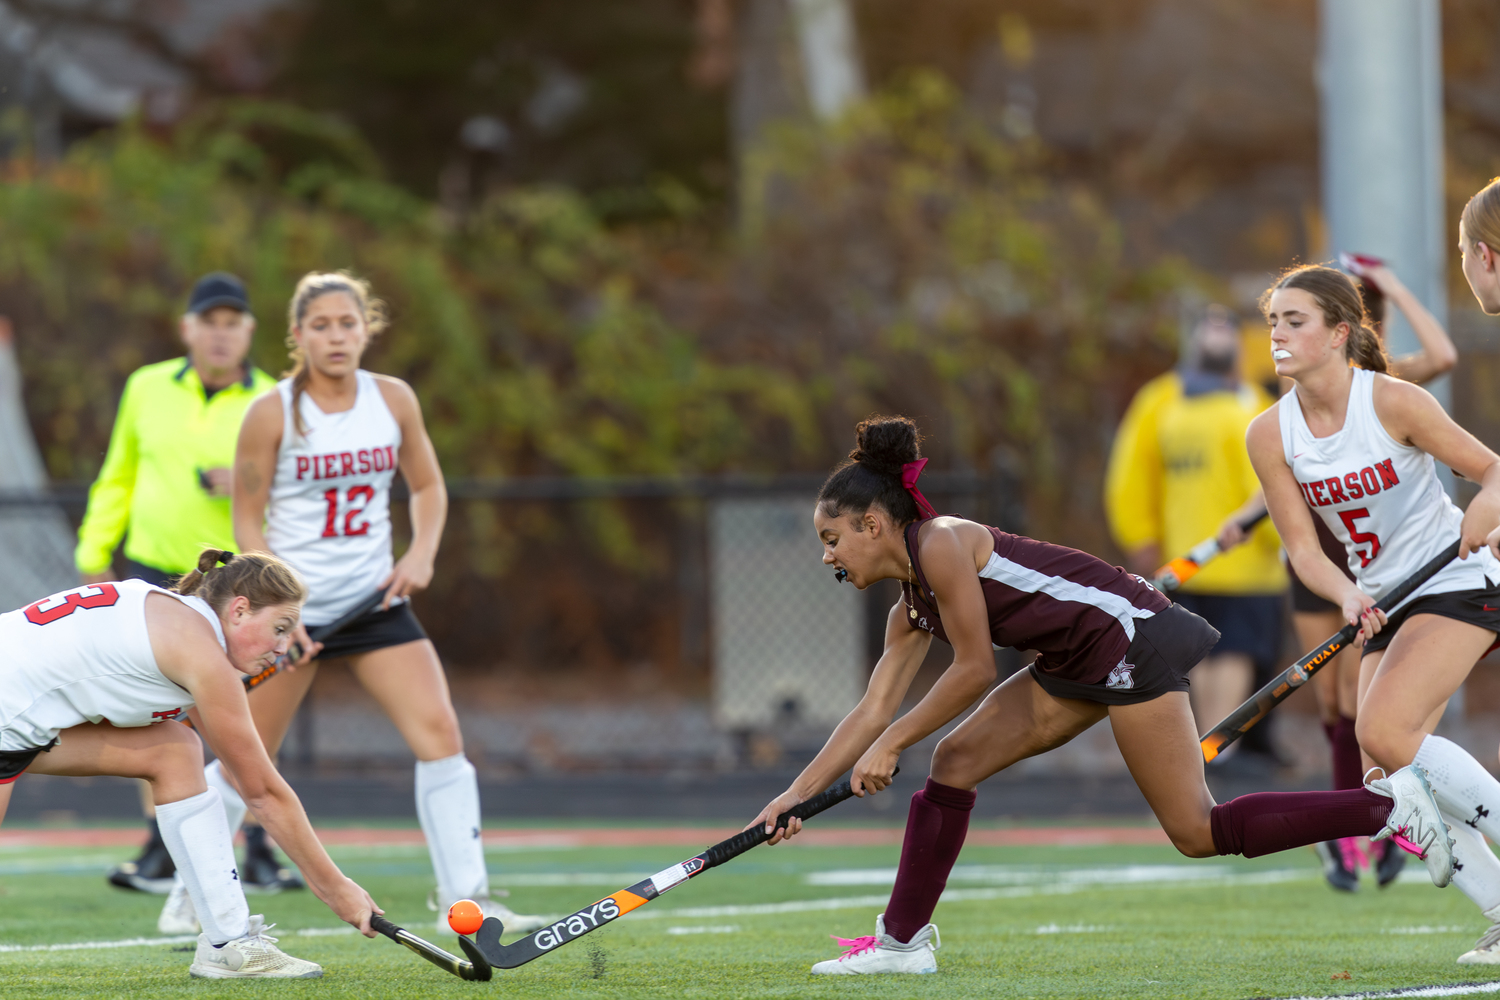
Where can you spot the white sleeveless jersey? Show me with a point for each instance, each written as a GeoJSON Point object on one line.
{"type": "Point", "coordinates": [1379, 497]}
{"type": "Point", "coordinates": [330, 508]}
{"type": "Point", "coordinates": [84, 656]}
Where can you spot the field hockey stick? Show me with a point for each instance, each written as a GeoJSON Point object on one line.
{"type": "Point", "coordinates": [476, 969]}
{"type": "Point", "coordinates": [1182, 569]}
{"type": "Point", "coordinates": [1242, 719]}
{"type": "Point", "coordinates": [317, 633]}
{"type": "Point", "coordinates": [612, 907]}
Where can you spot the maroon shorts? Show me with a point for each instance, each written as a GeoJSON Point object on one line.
{"type": "Point", "coordinates": [1166, 646]}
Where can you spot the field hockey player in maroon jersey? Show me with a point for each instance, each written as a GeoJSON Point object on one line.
{"type": "Point", "coordinates": [1109, 646]}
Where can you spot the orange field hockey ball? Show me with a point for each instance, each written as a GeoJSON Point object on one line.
{"type": "Point", "coordinates": [465, 916]}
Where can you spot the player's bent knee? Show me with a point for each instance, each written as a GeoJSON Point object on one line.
{"type": "Point", "coordinates": [1389, 745]}
{"type": "Point", "coordinates": [1193, 840]}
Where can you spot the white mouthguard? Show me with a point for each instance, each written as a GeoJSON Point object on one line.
{"type": "Point", "coordinates": [1280, 355]}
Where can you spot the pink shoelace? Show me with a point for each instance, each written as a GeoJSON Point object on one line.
{"type": "Point", "coordinates": [1399, 839]}
{"type": "Point", "coordinates": [1353, 853]}
{"type": "Point", "coordinates": [855, 946]}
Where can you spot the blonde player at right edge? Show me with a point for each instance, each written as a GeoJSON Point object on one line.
{"type": "Point", "coordinates": [312, 483]}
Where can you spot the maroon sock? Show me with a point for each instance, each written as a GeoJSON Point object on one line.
{"type": "Point", "coordinates": [1267, 822]}
{"type": "Point", "coordinates": [935, 831]}
{"type": "Point", "coordinates": [1348, 767]}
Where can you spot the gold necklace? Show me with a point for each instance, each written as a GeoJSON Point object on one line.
{"type": "Point", "coordinates": [912, 610]}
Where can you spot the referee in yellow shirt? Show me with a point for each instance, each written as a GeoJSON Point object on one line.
{"type": "Point", "coordinates": [164, 488]}
{"type": "Point", "coordinates": [1179, 472]}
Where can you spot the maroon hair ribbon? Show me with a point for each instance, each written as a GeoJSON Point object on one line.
{"type": "Point", "coordinates": [909, 473]}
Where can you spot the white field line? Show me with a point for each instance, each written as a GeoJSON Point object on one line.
{"type": "Point", "coordinates": [1106, 878]}
{"type": "Point", "coordinates": [1412, 992]}
{"type": "Point", "coordinates": [1032, 875]}
{"type": "Point", "coordinates": [1272, 877]}
{"type": "Point", "coordinates": [138, 942]}
{"type": "Point", "coordinates": [709, 929]}
{"type": "Point", "coordinates": [143, 942]}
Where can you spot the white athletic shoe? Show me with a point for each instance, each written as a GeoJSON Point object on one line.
{"type": "Point", "coordinates": [515, 923]}
{"type": "Point", "coordinates": [1415, 824]}
{"type": "Point", "coordinates": [177, 913]}
{"type": "Point", "coordinates": [1486, 950]}
{"type": "Point", "coordinates": [254, 956]}
{"type": "Point", "coordinates": [883, 953]}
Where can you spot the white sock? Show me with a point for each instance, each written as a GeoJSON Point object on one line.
{"type": "Point", "coordinates": [197, 837]}
{"type": "Point", "coordinates": [1477, 872]}
{"type": "Point", "coordinates": [234, 806]}
{"type": "Point", "coordinates": [1461, 785]}
{"type": "Point", "coordinates": [448, 809]}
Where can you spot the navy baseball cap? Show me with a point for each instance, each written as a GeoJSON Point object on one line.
{"type": "Point", "coordinates": [218, 289]}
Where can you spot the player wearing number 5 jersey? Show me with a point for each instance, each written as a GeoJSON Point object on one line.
{"type": "Point", "coordinates": [1356, 448]}
{"type": "Point", "coordinates": [312, 482]}
{"type": "Point", "coordinates": [94, 681]}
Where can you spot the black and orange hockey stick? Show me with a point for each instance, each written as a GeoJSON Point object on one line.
{"type": "Point", "coordinates": [1241, 720]}
{"type": "Point", "coordinates": [616, 905]}
{"type": "Point", "coordinates": [1186, 566]}
{"type": "Point", "coordinates": [317, 633]}
{"type": "Point", "coordinates": [476, 969]}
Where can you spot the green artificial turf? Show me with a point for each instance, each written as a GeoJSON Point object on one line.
{"type": "Point", "coordinates": [1033, 922]}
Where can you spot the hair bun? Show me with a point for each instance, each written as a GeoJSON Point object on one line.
{"type": "Point", "coordinates": [885, 444]}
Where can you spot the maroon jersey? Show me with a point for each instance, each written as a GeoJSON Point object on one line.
{"type": "Point", "coordinates": [1076, 610]}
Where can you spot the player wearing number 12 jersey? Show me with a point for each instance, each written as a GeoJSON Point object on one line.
{"type": "Point", "coordinates": [312, 483]}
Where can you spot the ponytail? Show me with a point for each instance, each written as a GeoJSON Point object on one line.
{"type": "Point", "coordinates": [871, 476]}
{"type": "Point", "coordinates": [259, 577]}
{"type": "Point", "coordinates": [1339, 299]}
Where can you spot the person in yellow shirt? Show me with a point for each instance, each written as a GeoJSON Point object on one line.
{"type": "Point", "coordinates": [165, 487]}
{"type": "Point", "coordinates": [1178, 473]}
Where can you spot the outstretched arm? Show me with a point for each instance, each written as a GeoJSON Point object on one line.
{"type": "Point", "coordinates": [189, 655]}
{"type": "Point", "coordinates": [1437, 354]}
{"type": "Point", "coordinates": [905, 649]}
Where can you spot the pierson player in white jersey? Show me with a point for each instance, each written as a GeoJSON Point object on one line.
{"type": "Point", "coordinates": [1356, 448]}
{"type": "Point", "coordinates": [312, 482]}
{"type": "Point", "coordinates": [95, 681]}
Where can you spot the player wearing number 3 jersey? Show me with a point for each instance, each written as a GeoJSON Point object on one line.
{"type": "Point", "coordinates": [312, 483]}
{"type": "Point", "coordinates": [95, 680]}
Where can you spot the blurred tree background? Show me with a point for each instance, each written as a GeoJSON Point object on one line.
{"type": "Point", "coordinates": [602, 257]}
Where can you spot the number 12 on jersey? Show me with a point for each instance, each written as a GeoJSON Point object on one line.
{"type": "Point", "coordinates": [354, 502]}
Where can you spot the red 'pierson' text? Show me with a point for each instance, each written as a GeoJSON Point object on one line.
{"type": "Point", "coordinates": [346, 463]}
{"type": "Point", "coordinates": [1353, 486]}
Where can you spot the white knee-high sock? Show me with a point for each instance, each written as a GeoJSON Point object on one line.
{"type": "Point", "coordinates": [1477, 872]}
{"type": "Point", "coordinates": [448, 809]}
{"type": "Point", "coordinates": [234, 806]}
{"type": "Point", "coordinates": [1463, 788]}
{"type": "Point", "coordinates": [197, 837]}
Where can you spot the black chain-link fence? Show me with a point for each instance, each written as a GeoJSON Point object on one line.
{"type": "Point", "coordinates": [627, 622]}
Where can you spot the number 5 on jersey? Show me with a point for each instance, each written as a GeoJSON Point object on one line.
{"type": "Point", "coordinates": [1360, 537]}
{"type": "Point", "coordinates": [355, 499]}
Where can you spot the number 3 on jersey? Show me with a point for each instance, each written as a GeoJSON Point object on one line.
{"type": "Point", "coordinates": [1360, 537]}
{"type": "Point", "coordinates": [360, 495]}
{"type": "Point", "coordinates": [50, 609]}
